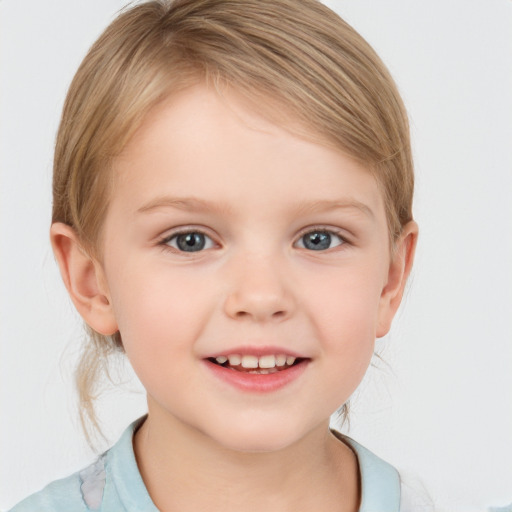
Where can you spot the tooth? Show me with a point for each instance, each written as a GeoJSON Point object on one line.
{"type": "Point", "coordinates": [249, 362]}
{"type": "Point", "coordinates": [221, 359]}
{"type": "Point", "coordinates": [267, 361]}
{"type": "Point", "coordinates": [280, 360]}
{"type": "Point", "coordinates": [290, 360]}
{"type": "Point", "coordinates": [234, 360]}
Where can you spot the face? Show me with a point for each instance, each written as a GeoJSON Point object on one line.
{"type": "Point", "coordinates": [247, 270]}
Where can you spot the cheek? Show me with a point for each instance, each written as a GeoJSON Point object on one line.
{"type": "Point", "coordinates": [345, 315]}
{"type": "Point", "coordinates": [347, 305]}
{"type": "Point", "coordinates": [157, 315]}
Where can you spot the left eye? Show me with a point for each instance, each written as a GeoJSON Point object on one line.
{"type": "Point", "coordinates": [192, 241]}
{"type": "Point", "coordinates": [319, 240]}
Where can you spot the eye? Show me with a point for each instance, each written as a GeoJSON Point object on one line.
{"type": "Point", "coordinates": [320, 240]}
{"type": "Point", "coordinates": [191, 241]}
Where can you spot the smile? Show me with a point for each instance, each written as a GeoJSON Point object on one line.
{"type": "Point", "coordinates": [257, 373]}
{"type": "Point", "coordinates": [253, 364]}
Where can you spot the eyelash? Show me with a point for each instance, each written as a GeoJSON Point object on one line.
{"type": "Point", "coordinates": [164, 242]}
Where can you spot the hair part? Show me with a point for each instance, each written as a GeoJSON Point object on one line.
{"type": "Point", "coordinates": [296, 53]}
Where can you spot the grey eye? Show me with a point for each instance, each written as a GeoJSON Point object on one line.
{"type": "Point", "coordinates": [190, 242]}
{"type": "Point", "coordinates": [320, 240]}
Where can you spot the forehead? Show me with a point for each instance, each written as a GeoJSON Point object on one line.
{"type": "Point", "coordinates": [204, 143]}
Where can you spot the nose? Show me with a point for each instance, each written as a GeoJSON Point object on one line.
{"type": "Point", "coordinates": [259, 289]}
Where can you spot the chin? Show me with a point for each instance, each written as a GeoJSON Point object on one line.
{"type": "Point", "coordinates": [259, 438]}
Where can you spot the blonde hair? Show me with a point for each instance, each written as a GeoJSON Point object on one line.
{"type": "Point", "coordinates": [297, 53]}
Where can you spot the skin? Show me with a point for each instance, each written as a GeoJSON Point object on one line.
{"type": "Point", "coordinates": [205, 163]}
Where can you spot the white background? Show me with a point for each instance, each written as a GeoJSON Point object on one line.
{"type": "Point", "coordinates": [442, 405]}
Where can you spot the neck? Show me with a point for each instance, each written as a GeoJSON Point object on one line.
{"type": "Point", "coordinates": [185, 470]}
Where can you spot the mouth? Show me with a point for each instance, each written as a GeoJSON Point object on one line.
{"type": "Point", "coordinates": [259, 370]}
{"type": "Point", "coordinates": [257, 365]}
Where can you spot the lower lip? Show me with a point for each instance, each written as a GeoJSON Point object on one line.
{"type": "Point", "coordinates": [258, 382]}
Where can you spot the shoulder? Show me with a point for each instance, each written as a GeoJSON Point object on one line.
{"type": "Point", "coordinates": [82, 491]}
{"type": "Point", "coordinates": [379, 481]}
{"type": "Point", "coordinates": [61, 495]}
{"type": "Point", "coordinates": [112, 482]}
{"type": "Point", "coordinates": [383, 488]}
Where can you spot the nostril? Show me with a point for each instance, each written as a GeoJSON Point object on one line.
{"type": "Point", "coordinates": [258, 301]}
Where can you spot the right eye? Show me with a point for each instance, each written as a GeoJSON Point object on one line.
{"type": "Point", "coordinates": [190, 241]}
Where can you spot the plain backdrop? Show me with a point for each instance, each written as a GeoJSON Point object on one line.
{"type": "Point", "coordinates": [441, 404]}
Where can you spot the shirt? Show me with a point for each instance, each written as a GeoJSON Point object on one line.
{"type": "Point", "coordinates": [113, 483]}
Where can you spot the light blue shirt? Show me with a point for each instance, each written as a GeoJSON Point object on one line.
{"type": "Point", "coordinates": [113, 484]}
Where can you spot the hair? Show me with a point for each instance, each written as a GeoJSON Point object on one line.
{"type": "Point", "coordinates": [297, 54]}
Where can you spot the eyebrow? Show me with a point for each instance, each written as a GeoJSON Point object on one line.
{"type": "Point", "coordinates": [201, 205]}
{"type": "Point", "coordinates": [184, 203]}
{"type": "Point", "coordinates": [326, 205]}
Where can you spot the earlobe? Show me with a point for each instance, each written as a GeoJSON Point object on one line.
{"type": "Point", "coordinates": [399, 270]}
{"type": "Point", "coordinates": [84, 279]}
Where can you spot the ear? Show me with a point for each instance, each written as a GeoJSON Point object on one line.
{"type": "Point", "coordinates": [399, 270]}
{"type": "Point", "coordinates": [84, 279]}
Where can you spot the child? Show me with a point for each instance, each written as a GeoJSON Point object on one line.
{"type": "Point", "coordinates": [233, 210]}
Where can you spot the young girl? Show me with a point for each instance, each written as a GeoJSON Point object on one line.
{"type": "Point", "coordinates": [233, 210]}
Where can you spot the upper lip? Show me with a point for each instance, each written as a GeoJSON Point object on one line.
{"type": "Point", "coordinates": [246, 350]}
